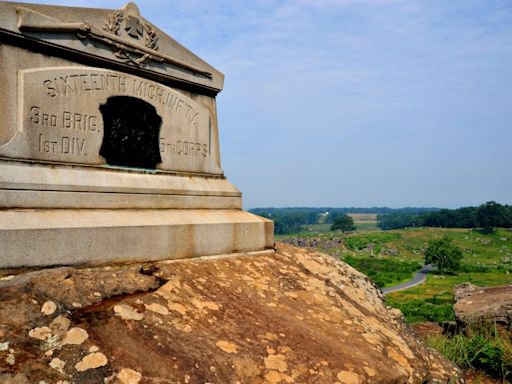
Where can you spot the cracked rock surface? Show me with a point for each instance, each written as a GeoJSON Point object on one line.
{"type": "Point", "coordinates": [293, 316]}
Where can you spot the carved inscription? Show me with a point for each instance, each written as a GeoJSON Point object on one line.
{"type": "Point", "coordinates": [68, 120]}
{"type": "Point", "coordinates": [65, 145]}
{"type": "Point", "coordinates": [84, 82]}
{"type": "Point", "coordinates": [80, 122]}
{"type": "Point", "coordinates": [184, 148]}
{"type": "Point", "coordinates": [171, 101]}
{"type": "Point", "coordinates": [68, 145]}
{"type": "Point", "coordinates": [77, 84]}
{"type": "Point", "coordinates": [61, 121]}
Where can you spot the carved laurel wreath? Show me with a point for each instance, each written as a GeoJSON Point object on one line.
{"type": "Point", "coordinates": [113, 24]}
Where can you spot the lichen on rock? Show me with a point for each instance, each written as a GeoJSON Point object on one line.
{"type": "Point", "coordinates": [75, 336]}
{"type": "Point", "coordinates": [293, 316]}
{"type": "Point", "coordinates": [91, 361]}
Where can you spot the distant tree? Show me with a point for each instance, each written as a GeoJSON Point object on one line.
{"type": "Point", "coordinates": [312, 217]}
{"type": "Point", "coordinates": [332, 216]}
{"type": "Point", "coordinates": [443, 254]}
{"type": "Point", "coordinates": [487, 216]}
{"type": "Point", "coordinates": [399, 220]}
{"type": "Point", "coordinates": [492, 214]}
{"type": "Point", "coordinates": [344, 223]}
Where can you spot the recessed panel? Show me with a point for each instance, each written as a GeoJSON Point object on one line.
{"type": "Point", "coordinates": [60, 120]}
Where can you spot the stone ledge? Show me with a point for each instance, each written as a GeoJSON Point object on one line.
{"type": "Point", "coordinates": [104, 200]}
{"type": "Point", "coordinates": [25, 185]}
{"type": "Point", "coordinates": [36, 238]}
{"type": "Point", "coordinates": [17, 175]}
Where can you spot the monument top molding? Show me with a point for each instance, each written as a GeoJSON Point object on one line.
{"type": "Point", "coordinates": [122, 40]}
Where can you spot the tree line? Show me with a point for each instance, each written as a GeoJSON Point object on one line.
{"type": "Point", "coordinates": [292, 220]}
{"type": "Point", "coordinates": [485, 216]}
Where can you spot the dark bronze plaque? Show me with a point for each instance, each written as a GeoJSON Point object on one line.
{"type": "Point", "coordinates": [132, 129]}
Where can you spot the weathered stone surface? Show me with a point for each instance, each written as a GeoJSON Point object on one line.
{"type": "Point", "coordinates": [35, 238]}
{"type": "Point", "coordinates": [293, 316]}
{"type": "Point", "coordinates": [39, 186]}
{"type": "Point", "coordinates": [477, 304]}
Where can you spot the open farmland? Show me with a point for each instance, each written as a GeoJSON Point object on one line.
{"type": "Point", "coordinates": [391, 257]}
{"type": "Point", "coordinates": [364, 221]}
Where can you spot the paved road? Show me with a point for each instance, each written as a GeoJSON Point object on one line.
{"type": "Point", "coordinates": [418, 279]}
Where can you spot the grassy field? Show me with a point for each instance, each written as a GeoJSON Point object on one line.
{"type": "Point", "coordinates": [486, 262]}
{"type": "Point", "coordinates": [313, 229]}
{"type": "Point", "coordinates": [390, 257]}
{"type": "Point", "coordinates": [485, 348]}
{"type": "Point", "coordinates": [364, 221]}
{"type": "Point", "coordinates": [480, 250]}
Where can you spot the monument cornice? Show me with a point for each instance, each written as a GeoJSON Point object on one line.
{"type": "Point", "coordinates": [121, 40]}
{"type": "Point", "coordinates": [44, 47]}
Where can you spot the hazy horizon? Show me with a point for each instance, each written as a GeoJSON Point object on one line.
{"type": "Point", "coordinates": [355, 102]}
{"type": "Point", "coordinates": [371, 207]}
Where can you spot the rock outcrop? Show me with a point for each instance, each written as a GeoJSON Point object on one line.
{"type": "Point", "coordinates": [475, 304]}
{"type": "Point", "coordinates": [292, 316]}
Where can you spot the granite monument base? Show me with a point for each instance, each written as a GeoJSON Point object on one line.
{"type": "Point", "coordinates": [62, 215]}
{"type": "Point", "coordinates": [47, 237]}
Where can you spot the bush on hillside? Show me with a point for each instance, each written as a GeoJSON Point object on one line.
{"type": "Point", "coordinates": [421, 310]}
{"type": "Point", "coordinates": [444, 255]}
{"type": "Point", "coordinates": [384, 272]}
{"type": "Point", "coordinates": [344, 223]}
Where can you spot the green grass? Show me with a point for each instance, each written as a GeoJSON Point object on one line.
{"type": "Point", "coordinates": [481, 347]}
{"type": "Point", "coordinates": [442, 285]}
{"type": "Point", "coordinates": [413, 241]}
{"type": "Point", "coordinates": [384, 271]}
{"type": "Point", "coordinates": [366, 226]}
{"type": "Point", "coordinates": [324, 228]}
{"type": "Point", "coordinates": [436, 308]}
{"type": "Point", "coordinates": [429, 301]}
{"type": "Point", "coordinates": [484, 264]}
{"type": "Point", "coordinates": [361, 241]}
{"type": "Point", "coordinates": [364, 222]}
{"type": "Point", "coordinates": [316, 228]}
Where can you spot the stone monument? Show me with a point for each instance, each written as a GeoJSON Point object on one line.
{"type": "Point", "coordinates": [109, 144]}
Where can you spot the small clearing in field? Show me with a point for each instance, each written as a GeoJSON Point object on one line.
{"type": "Point", "coordinates": [363, 217]}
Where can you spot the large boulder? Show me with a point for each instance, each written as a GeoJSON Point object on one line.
{"type": "Point", "coordinates": [475, 304]}
{"type": "Point", "coordinates": [293, 316]}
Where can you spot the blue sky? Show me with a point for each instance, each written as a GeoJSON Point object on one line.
{"type": "Point", "coordinates": [356, 102]}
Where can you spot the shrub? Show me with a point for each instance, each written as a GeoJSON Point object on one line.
{"type": "Point", "coordinates": [421, 310]}
{"type": "Point", "coordinates": [362, 241]}
{"type": "Point", "coordinates": [468, 268]}
{"type": "Point", "coordinates": [344, 223]}
{"type": "Point", "coordinates": [443, 254]}
{"type": "Point", "coordinates": [383, 271]}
